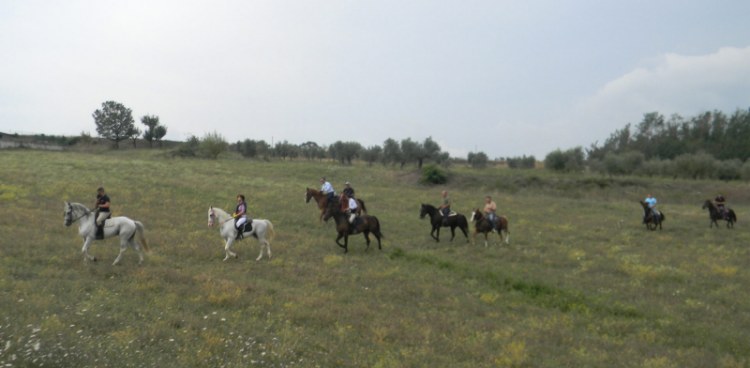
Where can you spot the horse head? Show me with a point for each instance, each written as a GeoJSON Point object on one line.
{"type": "Point", "coordinates": [308, 194]}
{"type": "Point", "coordinates": [211, 216]}
{"type": "Point", "coordinates": [476, 215]}
{"type": "Point", "coordinates": [68, 214]}
{"type": "Point", "coordinates": [707, 204]}
{"type": "Point", "coordinates": [422, 211]}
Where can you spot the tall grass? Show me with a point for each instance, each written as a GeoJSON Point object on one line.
{"type": "Point", "coordinates": [582, 283]}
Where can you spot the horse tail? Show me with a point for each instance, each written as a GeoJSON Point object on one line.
{"type": "Point", "coordinates": [271, 232]}
{"type": "Point", "coordinates": [139, 229]}
{"type": "Point", "coordinates": [376, 230]}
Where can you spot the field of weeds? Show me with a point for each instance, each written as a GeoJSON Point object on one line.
{"type": "Point", "coordinates": [582, 283]}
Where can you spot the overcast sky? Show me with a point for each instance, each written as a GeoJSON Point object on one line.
{"type": "Point", "coordinates": [504, 77]}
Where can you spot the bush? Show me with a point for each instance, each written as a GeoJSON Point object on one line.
{"type": "Point", "coordinates": [212, 145]}
{"type": "Point", "coordinates": [432, 174]}
{"type": "Point", "coordinates": [729, 169]}
{"type": "Point", "coordinates": [188, 149]}
{"type": "Point", "coordinates": [695, 166]}
{"type": "Point", "coordinates": [521, 162]}
{"type": "Point", "coordinates": [745, 171]}
{"type": "Point", "coordinates": [570, 160]}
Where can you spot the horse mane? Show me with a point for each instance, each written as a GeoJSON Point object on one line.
{"type": "Point", "coordinates": [79, 207]}
{"type": "Point", "coordinates": [221, 213]}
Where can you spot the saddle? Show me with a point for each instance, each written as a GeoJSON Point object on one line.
{"type": "Point", "coordinates": [246, 227]}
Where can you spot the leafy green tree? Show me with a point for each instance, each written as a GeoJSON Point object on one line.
{"type": "Point", "coordinates": [372, 154]}
{"type": "Point", "coordinates": [569, 160]}
{"type": "Point", "coordinates": [391, 152]}
{"type": "Point", "coordinates": [285, 149]}
{"type": "Point", "coordinates": [114, 122]}
{"type": "Point", "coordinates": [410, 151]}
{"type": "Point", "coordinates": [478, 159]}
{"type": "Point", "coordinates": [155, 131]}
{"type": "Point", "coordinates": [345, 152]}
{"type": "Point", "coordinates": [212, 145]}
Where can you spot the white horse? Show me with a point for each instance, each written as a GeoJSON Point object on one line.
{"type": "Point", "coordinates": [262, 230]}
{"type": "Point", "coordinates": [123, 227]}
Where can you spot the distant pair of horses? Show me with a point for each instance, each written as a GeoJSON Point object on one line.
{"type": "Point", "coordinates": [653, 219]}
{"type": "Point", "coordinates": [481, 224]}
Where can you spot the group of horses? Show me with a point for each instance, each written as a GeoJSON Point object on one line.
{"type": "Point", "coordinates": [131, 232]}
{"type": "Point", "coordinates": [653, 219]}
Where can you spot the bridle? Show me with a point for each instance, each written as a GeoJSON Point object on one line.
{"type": "Point", "coordinates": [69, 215]}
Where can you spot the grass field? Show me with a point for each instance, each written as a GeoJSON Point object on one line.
{"type": "Point", "coordinates": [582, 284]}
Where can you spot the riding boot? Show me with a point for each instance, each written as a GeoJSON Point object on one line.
{"type": "Point", "coordinates": [239, 232]}
{"type": "Point", "coordinates": [100, 232]}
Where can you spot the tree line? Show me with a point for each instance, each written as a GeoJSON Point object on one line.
{"type": "Point", "coordinates": [710, 145]}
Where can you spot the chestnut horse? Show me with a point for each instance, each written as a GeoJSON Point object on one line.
{"type": "Point", "coordinates": [483, 225]}
{"type": "Point", "coordinates": [364, 224]}
{"type": "Point", "coordinates": [715, 214]}
{"type": "Point", "coordinates": [322, 201]}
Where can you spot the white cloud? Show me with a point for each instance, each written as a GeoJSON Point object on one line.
{"type": "Point", "coordinates": [672, 83]}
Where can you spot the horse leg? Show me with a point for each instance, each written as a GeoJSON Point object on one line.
{"type": "Point", "coordinates": [138, 249]}
{"type": "Point", "coordinates": [465, 231]}
{"type": "Point", "coordinates": [123, 247]}
{"type": "Point", "coordinates": [346, 241]}
{"type": "Point", "coordinates": [436, 230]}
{"type": "Point", "coordinates": [453, 232]}
{"type": "Point", "coordinates": [485, 240]}
{"type": "Point", "coordinates": [228, 249]}
{"type": "Point", "coordinates": [85, 250]}
{"type": "Point", "coordinates": [367, 239]}
{"type": "Point", "coordinates": [264, 244]}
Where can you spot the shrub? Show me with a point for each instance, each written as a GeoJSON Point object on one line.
{"type": "Point", "coordinates": [570, 160]}
{"type": "Point", "coordinates": [212, 145]}
{"type": "Point", "coordinates": [695, 166]}
{"type": "Point", "coordinates": [432, 174]}
{"type": "Point", "coordinates": [729, 169]}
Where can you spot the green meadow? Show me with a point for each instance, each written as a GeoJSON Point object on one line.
{"type": "Point", "coordinates": [582, 283]}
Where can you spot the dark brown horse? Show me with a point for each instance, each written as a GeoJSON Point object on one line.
{"type": "Point", "coordinates": [651, 217]}
{"type": "Point", "coordinates": [715, 214]}
{"type": "Point", "coordinates": [322, 201]}
{"type": "Point", "coordinates": [364, 224]}
{"type": "Point", "coordinates": [436, 221]}
{"type": "Point", "coordinates": [482, 225]}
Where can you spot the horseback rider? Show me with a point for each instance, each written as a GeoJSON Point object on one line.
{"type": "Point", "coordinates": [348, 190]}
{"type": "Point", "coordinates": [651, 202]}
{"type": "Point", "coordinates": [102, 211]}
{"type": "Point", "coordinates": [445, 207]}
{"type": "Point", "coordinates": [490, 211]}
{"type": "Point", "coordinates": [326, 188]}
{"type": "Point", "coordinates": [240, 217]}
{"type": "Point", "coordinates": [349, 206]}
{"type": "Point", "coordinates": [721, 205]}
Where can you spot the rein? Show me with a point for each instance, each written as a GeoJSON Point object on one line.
{"type": "Point", "coordinates": [85, 213]}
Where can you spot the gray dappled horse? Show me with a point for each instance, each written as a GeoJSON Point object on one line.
{"type": "Point", "coordinates": [129, 231]}
{"type": "Point", "coordinates": [261, 230]}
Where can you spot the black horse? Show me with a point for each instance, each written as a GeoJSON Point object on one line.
{"type": "Point", "coordinates": [715, 214]}
{"type": "Point", "coordinates": [364, 224]}
{"type": "Point", "coordinates": [649, 219]}
{"type": "Point", "coordinates": [436, 220]}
